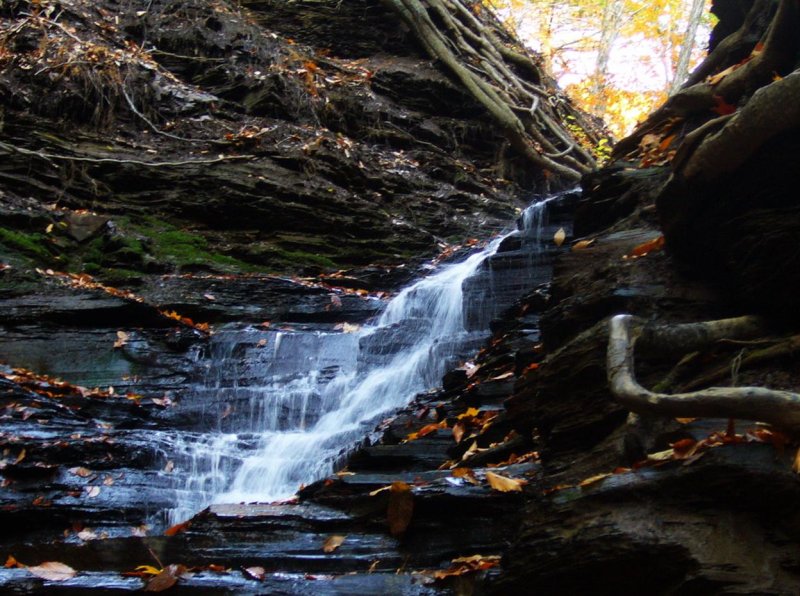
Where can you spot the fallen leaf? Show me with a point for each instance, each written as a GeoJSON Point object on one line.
{"type": "Point", "coordinates": [583, 244]}
{"type": "Point", "coordinates": [503, 484]}
{"type": "Point", "coordinates": [473, 449]}
{"type": "Point", "coordinates": [210, 297]}
{"type": "Point", "coordinates": [646, 248]}
{"type": "Point", "coordinates": [86, 535]}
{"type": "Point", "coordinates": [458, 431]}
{"type": "Point", "coordinates": [122, 339]}
{"type": "Point", "coordinates": [470, 413]}
{"type": "Point", "coordinates": [53, 571]}
{"type": "Point", "coordinates": [148, 570]}
{"type": "Point", "coordinates": [400, 509]}
{"type": "Point", "coordinates": [722, 107]}
{"type": "Point", "coordinates": [262, 343]}
{"type": "Point", "coordinates": [170, 465]}
{"type": "Point", "coordinates": [108, 481]}
{"type": "Point", "coordinates": [467, 474]}
{"type": "Point", "coordinates": [178, 528]}
{"type": "Point", "coordinates": [659, 456]}
{"type": "Point", "coordinates": [92, 491]}
{"type": "Point", "coordinates": [20, 457]}
{"type": "Point", "coordinates": [11, 562]}
{"type": "Point", "coordinates": [168, 577]}
{"type": "Point", "coordinates": [593, 479]}
{"type": "Point", "coordinates": [332, 543]}
{"type": "Point", "coordinates": [684, 448]}
{"type": "Point", "coordinates": [559, 237]}
{"type": "Point", "coordinates": [502, 377]}
{"type": "Point", "coordinates": [256, 573]}
{"type": "Point", "coordinates": [796, 463]}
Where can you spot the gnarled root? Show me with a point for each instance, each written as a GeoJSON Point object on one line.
{"type": "Point", "coordinates": [779, 408]}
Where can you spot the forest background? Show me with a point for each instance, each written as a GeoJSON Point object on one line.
{"type": "Point", "coordinates": [618, 59]}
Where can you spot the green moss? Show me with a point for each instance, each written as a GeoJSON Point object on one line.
{"type": "Point", "coordinates": [302, 258]}
{"type": "Point", "coordinates": [28, 244]}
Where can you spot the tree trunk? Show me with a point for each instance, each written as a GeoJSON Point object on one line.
{"type": "Point", "coordinates": [682, 67]}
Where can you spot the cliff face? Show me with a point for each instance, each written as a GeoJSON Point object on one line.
{"type": "Point", "coordinates": [259, 136]}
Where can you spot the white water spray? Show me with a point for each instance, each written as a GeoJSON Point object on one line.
{"type": "Point", "coordinates": [303, 420]}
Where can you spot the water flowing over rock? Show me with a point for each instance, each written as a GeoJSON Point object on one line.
{"type": "Point", "coordinates": [295, 402]}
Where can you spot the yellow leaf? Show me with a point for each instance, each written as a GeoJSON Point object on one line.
{"type": "Point", "coordinates": [559, 237]}
{"type": "Point", "coordinates": [332, 543]}
{"type": "Point", "coordinates": [470, 413]}
{"type": "Point", "coordinates": [593, 479]}
{"type": "Point", "coordinates": [503, 484]}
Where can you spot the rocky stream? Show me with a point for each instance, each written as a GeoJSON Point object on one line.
{"type": "Point", "coordinates": [282, 311]}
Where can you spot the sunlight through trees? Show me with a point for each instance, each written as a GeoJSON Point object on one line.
{"type": "Point", "coordinates": [617, 58]}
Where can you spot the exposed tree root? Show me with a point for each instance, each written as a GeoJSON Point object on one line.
{"type": "Point", "coordinates": [506, 82]}
{"type": "Point", "coordinates": [779, 408]}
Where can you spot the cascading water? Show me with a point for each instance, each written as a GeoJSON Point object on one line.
{"type": "Point", "coordinates": [303, 398]}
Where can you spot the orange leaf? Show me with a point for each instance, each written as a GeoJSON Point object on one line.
{"type": "Point", "coordinates": [467, 474]}
{"type": "Point", "coordinates": [646, 247]}
{"type": "Point", "coordinates": [178, 528]}
{"type": "Point", "coordinates": [400, 509]}
{"type": "Point", "coordinates": [684, 448]}
{"type": "Point", "coordinates": [12, 562]}
{"type": "Point", "coordinates": [664, 145]}
{"type": "Point", "coordinates": [503, 484]}
{"type": "Point", "coordinates": [332, 543]}
{"type": "Point", "coordinates": [722, 107]}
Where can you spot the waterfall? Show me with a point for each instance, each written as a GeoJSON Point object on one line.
{"type": "Point", "coordinates": [305, 397]}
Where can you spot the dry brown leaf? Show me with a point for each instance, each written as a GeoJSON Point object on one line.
{"type": "Point", "coordinates": [53, 571]}
{"type": "Point", "coordinates": [400, 509]}
{"type": "Point", "coordinates": [503, 484]}
{"type": "Point", "coordinates": [122, 339]}
{"type": "Point", "coordinates": [559, 237]}
{"type": "Point", "coordinates": [583, 244]}
{"type": "Point", "coordinates": [168, 577]}
{"type": "Point", "coordinates": [458, 431]}
{"type": "Point", "coordinates": [20, 457]}
{"type": "Point", "coordinates": [11, 562]}
{"type": "Point", "coordinates": [467, 474]}
{"type": "Point", "coordinates": [332, 543]}
{"type": "Point", "coordinates": [796, 464]}
{"type": "Point", "coordinates": [92, 491]}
